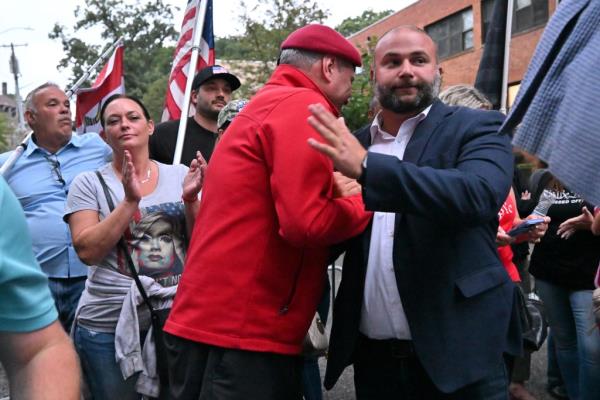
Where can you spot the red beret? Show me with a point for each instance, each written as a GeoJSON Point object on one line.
{"type": "Point", "coordinates": [322, 39]}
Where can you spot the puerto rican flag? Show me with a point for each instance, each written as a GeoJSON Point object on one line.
{"type": "Point", "coordinates": [89, 100]}
{"type": "Point", "coordinates": [183, 53]}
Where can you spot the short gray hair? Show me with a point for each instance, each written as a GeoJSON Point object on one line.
{"type": "Point", "coordinates": [299, 58]}
{"type": "Point", "coordinates": [29, 106]}
{"type": "Point", "coordinates": [466, 96]}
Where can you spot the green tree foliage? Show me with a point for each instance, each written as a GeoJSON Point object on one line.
{"type": "Point", "coordinates": [354, 24]}
{"type": "Point", "coordinates": [356, 111]}
{"type": "Point", "coordinates": [4, 132]}
{"type": "Point", "coordinates": [231, 48]}
{"type": "Point", "coordinates": [145, 26]}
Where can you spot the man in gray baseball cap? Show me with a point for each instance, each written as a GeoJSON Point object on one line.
{"type": "Point", "coordinates": [211, 91]}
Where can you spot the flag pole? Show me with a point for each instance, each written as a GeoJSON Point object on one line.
{"type": "Point", "coordinates": [21, 147]}
{"type": "Point", "coordinates": [87, 73]}
{"type": "Point", "coordinates": [188, 84]}
{"type": "Point", "coordinates": [507, 38]}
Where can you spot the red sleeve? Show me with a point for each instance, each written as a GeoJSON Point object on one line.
{"type": "Point", "coordinates": [302, 180]}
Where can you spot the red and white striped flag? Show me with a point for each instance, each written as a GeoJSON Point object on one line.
{"type": "Point", "coordinates": [183, 53]}
{"type": "Point", "coordinates": [89, 100]}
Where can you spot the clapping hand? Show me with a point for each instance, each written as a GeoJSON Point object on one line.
{"type": "Point", "coordinates": [194, 179]}
{"type": "Point", "coordinates": [131, 185]}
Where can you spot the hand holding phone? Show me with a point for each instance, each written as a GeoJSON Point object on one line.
{"type": "Point", "coordinates": [525, 226]}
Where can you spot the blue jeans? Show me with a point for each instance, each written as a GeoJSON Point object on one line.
{"type": "Point", "coordinates": [102, 374]}
{"type": "Point", "coordinates": [66, 293]}
{"type": "Point", "coordinates": [553, 373]}
{"type": "Point", "coordinates": [569, 314]}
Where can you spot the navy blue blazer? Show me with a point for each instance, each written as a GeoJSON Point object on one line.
{"type": "Point", "coordinates": [458, 298]}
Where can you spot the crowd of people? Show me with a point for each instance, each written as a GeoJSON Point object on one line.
{"type": "Point", "coordinates": [234, 243]}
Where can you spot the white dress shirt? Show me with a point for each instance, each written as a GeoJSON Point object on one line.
{"type": "Point", "coordinates": [382, 314]}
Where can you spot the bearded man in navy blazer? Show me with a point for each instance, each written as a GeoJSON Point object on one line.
{"type": "Point", "coordinates": [425, 309]}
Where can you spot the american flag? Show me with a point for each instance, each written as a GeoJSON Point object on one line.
{"type": "Point", "coordinates": [183, 52]}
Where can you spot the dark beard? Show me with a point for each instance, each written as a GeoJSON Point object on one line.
{"type": "Point", "coordinates": [426, 93]}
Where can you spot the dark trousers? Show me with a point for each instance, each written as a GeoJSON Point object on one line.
{"type": "Point", "coordinates": [202, 372]}
{"type": "Point", "coordinates": [522, 365]}
{"type": "Point", "coordinates": [390, 370]}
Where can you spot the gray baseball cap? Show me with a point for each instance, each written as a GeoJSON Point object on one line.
{"type": "Point", "coordinates": [228, 113]}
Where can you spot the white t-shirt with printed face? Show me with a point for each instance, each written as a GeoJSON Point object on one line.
{"type": "Point", "coordinates": [156, 237]}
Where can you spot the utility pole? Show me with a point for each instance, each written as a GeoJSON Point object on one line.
{"type": "Point", "coordinates": [14, 69]}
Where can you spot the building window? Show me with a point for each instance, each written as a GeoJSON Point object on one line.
{"type": "Point", "coordinates": [527, 14]}
{"type": "Point", "coordinates": [453, 34]}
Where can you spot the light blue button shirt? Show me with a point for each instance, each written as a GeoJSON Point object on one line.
{"type": "Point", "coordinates": [40, 181]}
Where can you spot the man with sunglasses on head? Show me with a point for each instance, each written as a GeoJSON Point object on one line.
{"type": "Point", "coordinates": [40, 179]}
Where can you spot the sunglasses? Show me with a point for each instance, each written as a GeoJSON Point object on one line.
{"type": "Point", "coordinates": [55, 168]}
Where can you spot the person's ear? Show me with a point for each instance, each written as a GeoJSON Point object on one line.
{"type": "Point", "coordinates": [150, 127]}
{"type": "Point", "coordinates": [194, 97]}
{"type": "Point", "coordinates": [103, 135]}
{"type": "Point", "coordinates": [29, 117]}
{"type": "Point", "coordinates": [328, 64]}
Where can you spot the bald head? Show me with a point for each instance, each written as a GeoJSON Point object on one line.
{"type": "Point", "coordinates": [411, 30]}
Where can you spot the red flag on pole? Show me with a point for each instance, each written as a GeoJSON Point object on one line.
{"type": "Point", "coordinates": [89, 100]}
{"type": "Point", "coordinates": [183, 52]}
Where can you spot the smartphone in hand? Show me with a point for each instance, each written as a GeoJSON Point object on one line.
{"type": "Point", "coordinates": [525, 226]}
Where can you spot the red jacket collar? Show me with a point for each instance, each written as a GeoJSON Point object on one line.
{"type": "Point", "coordinates": [288, 75]}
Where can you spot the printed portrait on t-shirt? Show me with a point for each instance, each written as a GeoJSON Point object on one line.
{"type": "Point", "coordinates": [157, 243]}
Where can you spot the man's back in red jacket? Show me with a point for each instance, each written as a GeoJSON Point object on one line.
{"type": "Point", "coordinates": [256, 264]}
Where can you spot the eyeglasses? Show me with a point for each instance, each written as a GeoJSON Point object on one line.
{"type": "Point", "coordinates": [55, 168]}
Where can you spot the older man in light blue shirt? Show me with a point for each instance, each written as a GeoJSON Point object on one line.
{"type": "Point", "coordinates": [40, 179]}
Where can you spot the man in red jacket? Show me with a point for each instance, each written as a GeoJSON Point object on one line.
{"type": "Point", "coordinates": [257, 259]}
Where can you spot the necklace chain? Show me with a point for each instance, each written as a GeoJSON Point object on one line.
{"type": "Point", "coordinates": [147, 176]}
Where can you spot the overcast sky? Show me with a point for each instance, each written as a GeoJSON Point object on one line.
{"type": "Point", "coordinates": [39, 58]}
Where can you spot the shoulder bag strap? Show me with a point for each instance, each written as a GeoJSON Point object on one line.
{"type": "Point", "coordinates": [123, 246]}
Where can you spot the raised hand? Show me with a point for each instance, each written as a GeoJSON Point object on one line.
{"type": "Point", "coordinates": [344, 149]}
{"type": "Point", "coordinates": [580, 222]}
{"type": "Point", "coordinates": [194, 179]}
{"type": "Point", "coordinates": [131, 185]}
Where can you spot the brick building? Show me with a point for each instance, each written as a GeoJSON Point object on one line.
{"type": "Point", "coordinates": [458, 27]}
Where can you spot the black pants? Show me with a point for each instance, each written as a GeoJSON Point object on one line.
{"type": "Point", "coordinates": [202, 372]}
{"type": "Point", "coordinates": [390, 370]}
{"type": "Point", "coordinates": [522, 365]}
